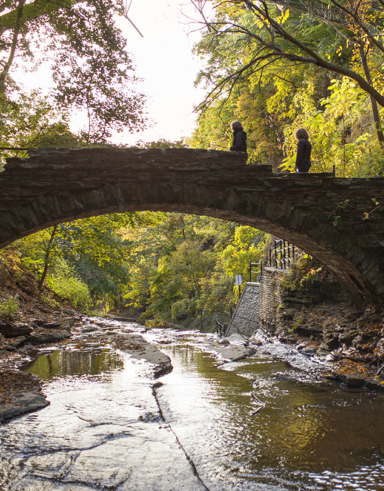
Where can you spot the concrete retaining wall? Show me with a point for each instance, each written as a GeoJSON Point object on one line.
{"type": "Point", "coordinates": [245, 320]}
{"type": "Point", "coordinates": [258, 305]}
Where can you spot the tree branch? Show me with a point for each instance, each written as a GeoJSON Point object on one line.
{"type": "Point", "coordinates": [7, 66]}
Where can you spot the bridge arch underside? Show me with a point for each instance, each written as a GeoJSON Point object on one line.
{"type": "Point", "coordinates": [359, 270]}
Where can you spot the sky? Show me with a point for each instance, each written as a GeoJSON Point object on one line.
{"type": "Point", "coordinates": [163, 58]}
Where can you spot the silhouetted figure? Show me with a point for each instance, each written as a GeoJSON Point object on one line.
{"type": "Point", "coordinates": [239, 143]}
{"type": "Point", "coordinates": [303, 158]}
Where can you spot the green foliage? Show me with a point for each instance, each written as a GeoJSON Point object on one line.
{"type": "Point", "coordinates": [64, 282]}
{"type": "Point", "coordinates": [338, 131]}
{"type": "Point", "coordinates": [304, 272]}
{"type": "Point", "coordinates": [335, 216]}
{"type": "Point", "coordinates": [91, 69]}
{"type": "Point", "coordinates": [9, 306]}
{"type": "Point", "coordinates": [297, 324]}
{"type": "Point", "coordinates": [246, 246]}
{"type": "Point", "coordinates": [182, 269]}
{"type": "Point", "coordinates": [267, 66]}
{"type": "Point", "coordinates": [95, 252]}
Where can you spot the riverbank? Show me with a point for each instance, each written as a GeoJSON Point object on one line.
{"type": "Point", "coordinates": [42, 323]}
{"type": "Point", "coordinates": [268, 421]}
{"type": "Point", "coordinates": [21, 394]}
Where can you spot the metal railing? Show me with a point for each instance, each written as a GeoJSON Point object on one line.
{"type": "Point", "coordinates": [259, 272]}
{"type": "Point", "coordinates": [281, 254]}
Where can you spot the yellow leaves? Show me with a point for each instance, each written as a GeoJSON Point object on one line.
{"type": "Point", "coordinates": [368, 213]}
{"type": "Point", "coordinates": [284, 17]}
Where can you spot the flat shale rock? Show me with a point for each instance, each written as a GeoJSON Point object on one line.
{"type": "Point", "coordinates": [48, 337]}
{"type": "Point", "coordinates": [19, 393]}
{"type": "Point", "coordinates": [139, 348]}
{"type": "Point", "coordinates": [14, 330]}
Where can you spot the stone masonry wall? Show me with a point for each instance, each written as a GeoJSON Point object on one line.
{"type": "Point", "coordinates": [57, 185]}
{"type": "Point", "coordinates": [270, 298]}
{"type": "Point", "coordinates": [245, 320]}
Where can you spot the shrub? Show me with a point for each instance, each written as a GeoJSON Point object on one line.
{"type": "Point", "coordinates": [72, 289]}
{"type": "Point", "coordinates": [9, 306]}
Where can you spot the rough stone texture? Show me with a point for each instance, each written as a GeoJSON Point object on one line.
{"type": "Point", "coordinates": [57, 185]}
{"type": "Point", "coordinates": [13, 331]}
{"type": "Point", "coordinates": [25, 403]}
{"type": "Point", "coordinates": [139, 348]}
{"type": "Point", "coordinates": [270, 298]}
{"type": "Point", "coordinates": [245, 320]}
{"type": "Point", "coordinates": [19, 393]}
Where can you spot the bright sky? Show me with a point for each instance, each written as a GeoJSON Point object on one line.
{"type": "Point", "coordinates": [164, 59]}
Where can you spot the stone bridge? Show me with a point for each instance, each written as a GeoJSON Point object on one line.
{"type": "Point", "coordinates": [57, 185]}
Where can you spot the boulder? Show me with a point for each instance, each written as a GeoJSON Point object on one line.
{"type": "Point", "coordinates": [14, 330]}
{"type": "Point", "coordinates": [48, 337]}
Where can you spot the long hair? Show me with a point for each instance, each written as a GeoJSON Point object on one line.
{"type": "Point", "coordinates": [236, 126]}
{"type": "Point", "coordinates": [302, 133]}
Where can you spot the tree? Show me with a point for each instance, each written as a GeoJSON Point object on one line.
{"type": "Point", "coordinates": [87, 55]}
{"type": "Point", "coordinates": [343, 37]}
{"type": "Point", "coordinates": [86, 254]}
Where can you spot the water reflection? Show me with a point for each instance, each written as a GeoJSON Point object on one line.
{"type": "Point", "coordinates": [305, 429]}
{"type": "Point", "coordinates": [309, 435]}
{"type": "Point", "coordinates": [63, 363]}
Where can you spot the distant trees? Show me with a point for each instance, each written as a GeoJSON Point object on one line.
{"type": "Point", "coordinates": [277, 66]}
{"type": "Point", "coordinates": [246, 39]}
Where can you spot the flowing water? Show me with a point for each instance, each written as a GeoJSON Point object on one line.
{"type": "Point", "coordinates": [257, 424]}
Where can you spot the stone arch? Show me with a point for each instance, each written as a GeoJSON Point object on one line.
{"type": "Point", "coordinates": [54, 186]}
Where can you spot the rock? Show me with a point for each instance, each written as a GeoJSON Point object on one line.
{"type": "Point", "coordinates": [26, 402]}
{"type": "Point", "coordinates": [323, 351]}
{"type": "Point", "coordinates": [177, 326]}
{"type": "Point", "coordinates": [20, 393]}
{"type": "Point", "coordinates": [121, 318]}
{"type": "Point", "coordinates": [48, 337]}
{"type": "Point", "coordinates": [308, 350]}
{"type": "Point", "coordinates": [331, 343]}
{"type": "Point", "coordinates": [310, 329]}
{"type": "Point", "coordinates": [14, 330]}
{"type": "Point", "coordinates": [353, 382]}
{"type": "Point", "coordinates": [137, 347]}
{"type": "Point", "coordinates": [51, 325]}
{"type": "Point", "coordinates": [37, 322]}
{"type": "Point", "coordinates": [89, 329]}
{"type": "Point", "coordinates": [224, 342]}
{"type": "Point", "coordinates": [288, 340]}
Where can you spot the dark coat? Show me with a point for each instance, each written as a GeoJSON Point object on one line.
{"type": "Point", "coordinates": [239, 143]}
{"type": "Point", "coordinates": [303, 158]}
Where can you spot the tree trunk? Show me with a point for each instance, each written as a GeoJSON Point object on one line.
{"type": "Point", "coordinates": [375, 109]}
{"type": "Point", "coordinates": [46, 263]}
{"type": "Point", "coordinates": [7, 66]}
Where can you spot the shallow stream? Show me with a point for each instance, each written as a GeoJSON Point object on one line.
{"type": "Point", "coordinates": [257, 424]}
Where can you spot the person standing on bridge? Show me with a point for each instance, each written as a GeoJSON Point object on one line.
{"type": "Point", "coordinates": [303, 158]}
{"type": "Point", "coordinates": [239, 143]}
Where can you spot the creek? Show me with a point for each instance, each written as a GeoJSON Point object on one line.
{"type": "Point", "coordinates": [268, 422]}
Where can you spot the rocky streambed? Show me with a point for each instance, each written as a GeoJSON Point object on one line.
{"type": "Point", "coordinates": [163, 409]}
